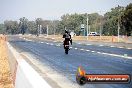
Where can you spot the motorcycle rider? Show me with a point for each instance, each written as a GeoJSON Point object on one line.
{"type": "Point", "coordinates": [67, 37]}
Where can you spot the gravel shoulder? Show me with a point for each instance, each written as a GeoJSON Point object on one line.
{"type": "Point", "coordinates": [5, 74]}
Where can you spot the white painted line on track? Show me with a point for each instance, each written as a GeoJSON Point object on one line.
{"type": "Point", "coordinates": [129, 48]}
{"type": "Point", "coordinates": [120, 47]}
{"type": "Point", "coordinates": [75, 48]}
{"type": "Point", "coordinates": [104, 53]}
{"type": "Point", "coordinates": [101, 45]}
{"type": "Point", "coordinates": [81, 49]}
{"type": "Point", "coordinates": [88, 44]}
{"type": "Point", "coordinates": [47, 43]}
{"type": "Point", "coordinates": [116, 55]}
{"type": "Point", "coordinates": [87, 50]}
{"type": "Point", "coordinates": [108, 54]}
{"type": "Point", "coordinates": [98, 52]}
{"type": "Point", "coordinates": [112, 46]}
{"type": "Point", "coordinates": [51, 44]}
{"type": "Point", "coordinates": [42, 42]}
{"type": "Point", "coordinates": [70, 47]}
{"type": "Point", "coordinates": [79, 43]}
{"type": "Point", "coordinates": [28, 40]}
{"type": "Point", "coordinates": [58, 45]}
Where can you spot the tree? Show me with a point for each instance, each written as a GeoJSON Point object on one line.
{"type": "Point", "coordinates": [126, 20]}
{"type": "Point", "coordinates": [11, 27]}
{"type": "Point", "coordinates": [111, 18]}
{"type": "Point", "coordinates": [23, 25]}
{"type": "Point", "coordinates": [32, 27]}
{"type": "Point", "coordinates": [73, 22]}
{"type": "Point", "coordinates": [2, 29]}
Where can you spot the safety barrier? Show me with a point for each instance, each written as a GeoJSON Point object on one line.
{"type": "Point", "coordinates": [23, 75]}
{"type": "Point", "coordinates": [97, 38]}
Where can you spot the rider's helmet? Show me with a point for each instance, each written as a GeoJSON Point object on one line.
{"type": "Point", "coordinates": [66, 31]}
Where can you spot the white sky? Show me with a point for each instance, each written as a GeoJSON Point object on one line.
{"type": "Point", "coordinates": [53, 9]}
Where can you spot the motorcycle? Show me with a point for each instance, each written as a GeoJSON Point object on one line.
{"type": "Point", "coordinates": [66, 46]}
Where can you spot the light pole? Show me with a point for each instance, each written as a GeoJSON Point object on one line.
{"type": "Point", "coordinates": [87, 27]}
{"type": "Point", "coordinates": [101, 27]}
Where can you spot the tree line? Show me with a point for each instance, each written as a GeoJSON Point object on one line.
{"type": "Point", "coordinates": [119, 17]}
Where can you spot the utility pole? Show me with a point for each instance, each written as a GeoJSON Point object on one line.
{"type": "Point", "coordinates": [40, 29]}
{"type": "Point", "coordinates": [100, 30]}
{"type": "Point", "coordinates": [100, 26]}
{"type": "Point", "coordinates": [87, 27]}
{"type": "Point", "coordinates": [118, 29]}
{"type": "Point", "coordinates": [118, 24]}
{"type": "Point", "coordinates": [47, 30]}
{"type": "Point", "coordinates": [54, 28]}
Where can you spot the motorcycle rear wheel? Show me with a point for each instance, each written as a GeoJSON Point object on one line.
{"type": "Point", "coordinates": [66, 51]}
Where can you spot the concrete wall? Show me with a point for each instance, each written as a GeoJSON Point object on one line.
{"type": "Point", "coordinates": [23, 75]}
